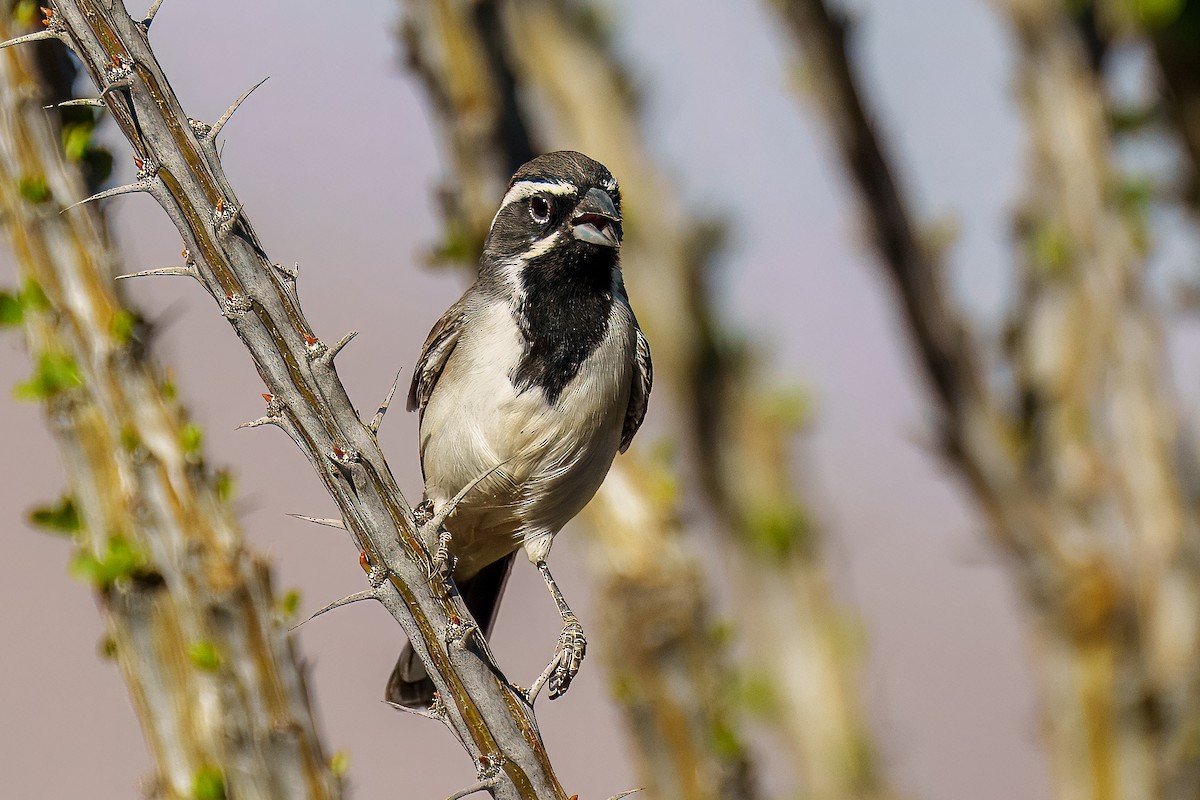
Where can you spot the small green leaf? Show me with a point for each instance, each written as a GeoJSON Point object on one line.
{"type": "Point", "coordinates": [123, 325]}
{"type": "Point", "coordinates": [107, 648]}
{"type": "Point", "coordinates": [25, 13]}
{"type": "Point", "coordinates": [1157, 13]}
{"type": "Point", "coordinates": [32, 296]}
{"type": "Point", "coordinates": [205, 655]}
{"type": "Point", "coordinates": [780, 529]}
{"type": "Point", "coordinates": [209, 784]}
{"type": "Point", "coordinates": [130, 440]}
{"type": "Point", "coordinates": [77, 138]}
{"type": "Point", "coordinates": [119, 560]}
{"type": "Point", "coordinates": [190, 438]}
{"type": "Point", "coordinates": [62, 518]}
{"type": "Point", "coordinates": [12, 310]}
{"type": "Point", "coordinates": [54, 373]}
{"type": "Point", "coordinates": [34, 188]}
{"type": "Point", "coordinates": [224, 485]}
{"type": "Point", "coordinates": [289, 604]}
{"type": "Point", "coordinates": [339, 763]}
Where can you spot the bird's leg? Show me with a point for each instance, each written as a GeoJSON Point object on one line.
{"type": "Point", "coordinates": [443, 562]}
{"type": "Point", "coordinates": [571, 646]}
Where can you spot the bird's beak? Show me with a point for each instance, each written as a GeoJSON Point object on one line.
{"type": "Point", "coordinates": [596, 220]}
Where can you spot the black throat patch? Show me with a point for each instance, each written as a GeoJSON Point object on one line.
{"type": "Point", "coordinates": [564, 316]}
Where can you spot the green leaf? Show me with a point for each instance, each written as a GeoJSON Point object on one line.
{"type": "Point", "coordinates": [205, 655]}
{"type": "Point", "coordinates": [54, 373]}
{"type": "Point", "coordinates": [34, 188]}
{"type": "Point", "coordinates": [32, 296]}
{"type": "Point", "coordinates": [77, 139]}
{"type": "Point", "coordinates": [289, 604]}
{"type": "Point", "coordinates": [224, 484]}
{"type": "Point", "coordinates": [190, 438]}
{"type": "Point", "coordinates": [1157, 13]}
{"type": "Point", "coordinates": [62, 518]}
{"type": "Point", "coordinates": [209, 784]}
{"type": "Point", "coordinates": [120, 559]}
{"type": "Point", "coordinates": [780, 529]}
{"type": "Point", "coordinates": [123, 325]}
{"type": "Point", "coordinates": [25, 13]}
{"type": "Point", "coordinates": [12, 310]}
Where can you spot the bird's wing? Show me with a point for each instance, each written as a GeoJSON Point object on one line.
{"type": "Point", "coordinates": [438, 346]}
{"type": "Point", "coordinates": [639, 393]}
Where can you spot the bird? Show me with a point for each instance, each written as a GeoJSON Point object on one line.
{"type": "Point", "coordinates": [530, 384]}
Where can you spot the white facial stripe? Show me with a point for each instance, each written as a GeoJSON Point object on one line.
{"type": "Point", "coordinates": [542, 247]}
{"type": "Point", "coordinates": [522, 190]}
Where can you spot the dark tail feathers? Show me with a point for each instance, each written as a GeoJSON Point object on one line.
{"type": "Point", "coordinates": [409, 684]}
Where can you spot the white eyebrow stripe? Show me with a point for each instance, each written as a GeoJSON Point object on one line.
{"type": "Point", "coordinates": [523, 189]}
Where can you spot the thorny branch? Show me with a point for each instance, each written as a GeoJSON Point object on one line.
{"type": "Point", "coordinates": [1074, 460]}
{"type": "Point", "coordinates": [179, 166]}
{"type": "Point", "coordinates": [190, 599]}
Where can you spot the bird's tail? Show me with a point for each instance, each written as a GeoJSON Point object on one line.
{"type": "Point", "coordinates": [409, 684]}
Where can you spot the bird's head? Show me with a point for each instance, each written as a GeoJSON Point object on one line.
{"type": "Point", "coordinates": [561, 209]}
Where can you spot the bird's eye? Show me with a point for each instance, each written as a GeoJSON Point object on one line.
{"type": "Point", "coordinates": [539, 208]}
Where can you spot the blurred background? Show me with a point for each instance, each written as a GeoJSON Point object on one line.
{"type": "Point", "coordinates": [338, 160]}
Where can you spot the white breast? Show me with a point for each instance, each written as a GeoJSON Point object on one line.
{"type": "Point", "coordinates": [554, 457]}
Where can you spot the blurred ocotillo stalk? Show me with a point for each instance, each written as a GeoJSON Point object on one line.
{"type": "Point", "coordinates": [189, 612]}
{"type": "Point", "coordinates": [477, 59]}
{"type": "Point", "coordinates": [179, 166]}
{"type": "Point", "coordinates": [1074, 458]}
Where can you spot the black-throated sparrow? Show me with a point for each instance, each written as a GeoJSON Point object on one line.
{"type": "Point", "coordinates": [535, 378]}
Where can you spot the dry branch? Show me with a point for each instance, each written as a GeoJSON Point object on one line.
{"type": "Point", "coordinates": [1074, 462]}
{"type": "Point", "coordinates": [191, 620]}
{"type": "Point", "coordinates": [179, 166]}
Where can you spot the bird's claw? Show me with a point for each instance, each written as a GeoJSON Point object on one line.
{"type": "Point", "coordinates": [568, 658]}
{"type": "Point", "coordinates": [441, 566]}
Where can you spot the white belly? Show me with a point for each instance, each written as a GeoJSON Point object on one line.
{"type": "Point", "coordinates": [553, 458]}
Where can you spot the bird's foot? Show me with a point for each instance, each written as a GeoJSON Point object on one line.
{"type": "Point", "coordinates": [442, 564]}
{"type": "Point", "coordinates": [562, 669]}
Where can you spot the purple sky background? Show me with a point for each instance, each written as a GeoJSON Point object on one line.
{"type": "Point", "coordinates": [335, 163]}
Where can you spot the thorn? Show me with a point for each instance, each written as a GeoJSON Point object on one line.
{"type": "Point", "coordinates": [128, 188]}
{"type": "Point", "coordinates": [366, 594]}
{"type": "Point", "coordinates": [627, 793]}
{"type": "Point", "coordinates": [290, 274]}
{"type": "Point", "coordinates": [438, 519]}
{"type": "Point", "coordinates": [32, 37]}
{"type": "Point", "coordinates": [329, 354]}
{"type": "Point", "coordinates": [123, 83]}
{"type": "Point", "coordinates": [329, 523]}
{"type": "Point", "coordinates": [117, 74]}
{"type": "Point", "coordinates": [482, 786]}
{"type": "Point", "coordinates": [188, 271]}
{"type": "Point", "coordinates": [82, 101]}
{"type": "Point", "coordinates": [256, 423]}
{"type": "Point", "coordinates": [417, 711]}
{"type": "Point", "coordinates": [377, 420]}
{"type": "Point", "coordinates": [220, 123]}
{"type": "Point", "coordinates": [145, 23]}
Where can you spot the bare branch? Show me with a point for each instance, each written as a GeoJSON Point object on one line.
{"type": "Point", "coordinates": [267, 318]}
